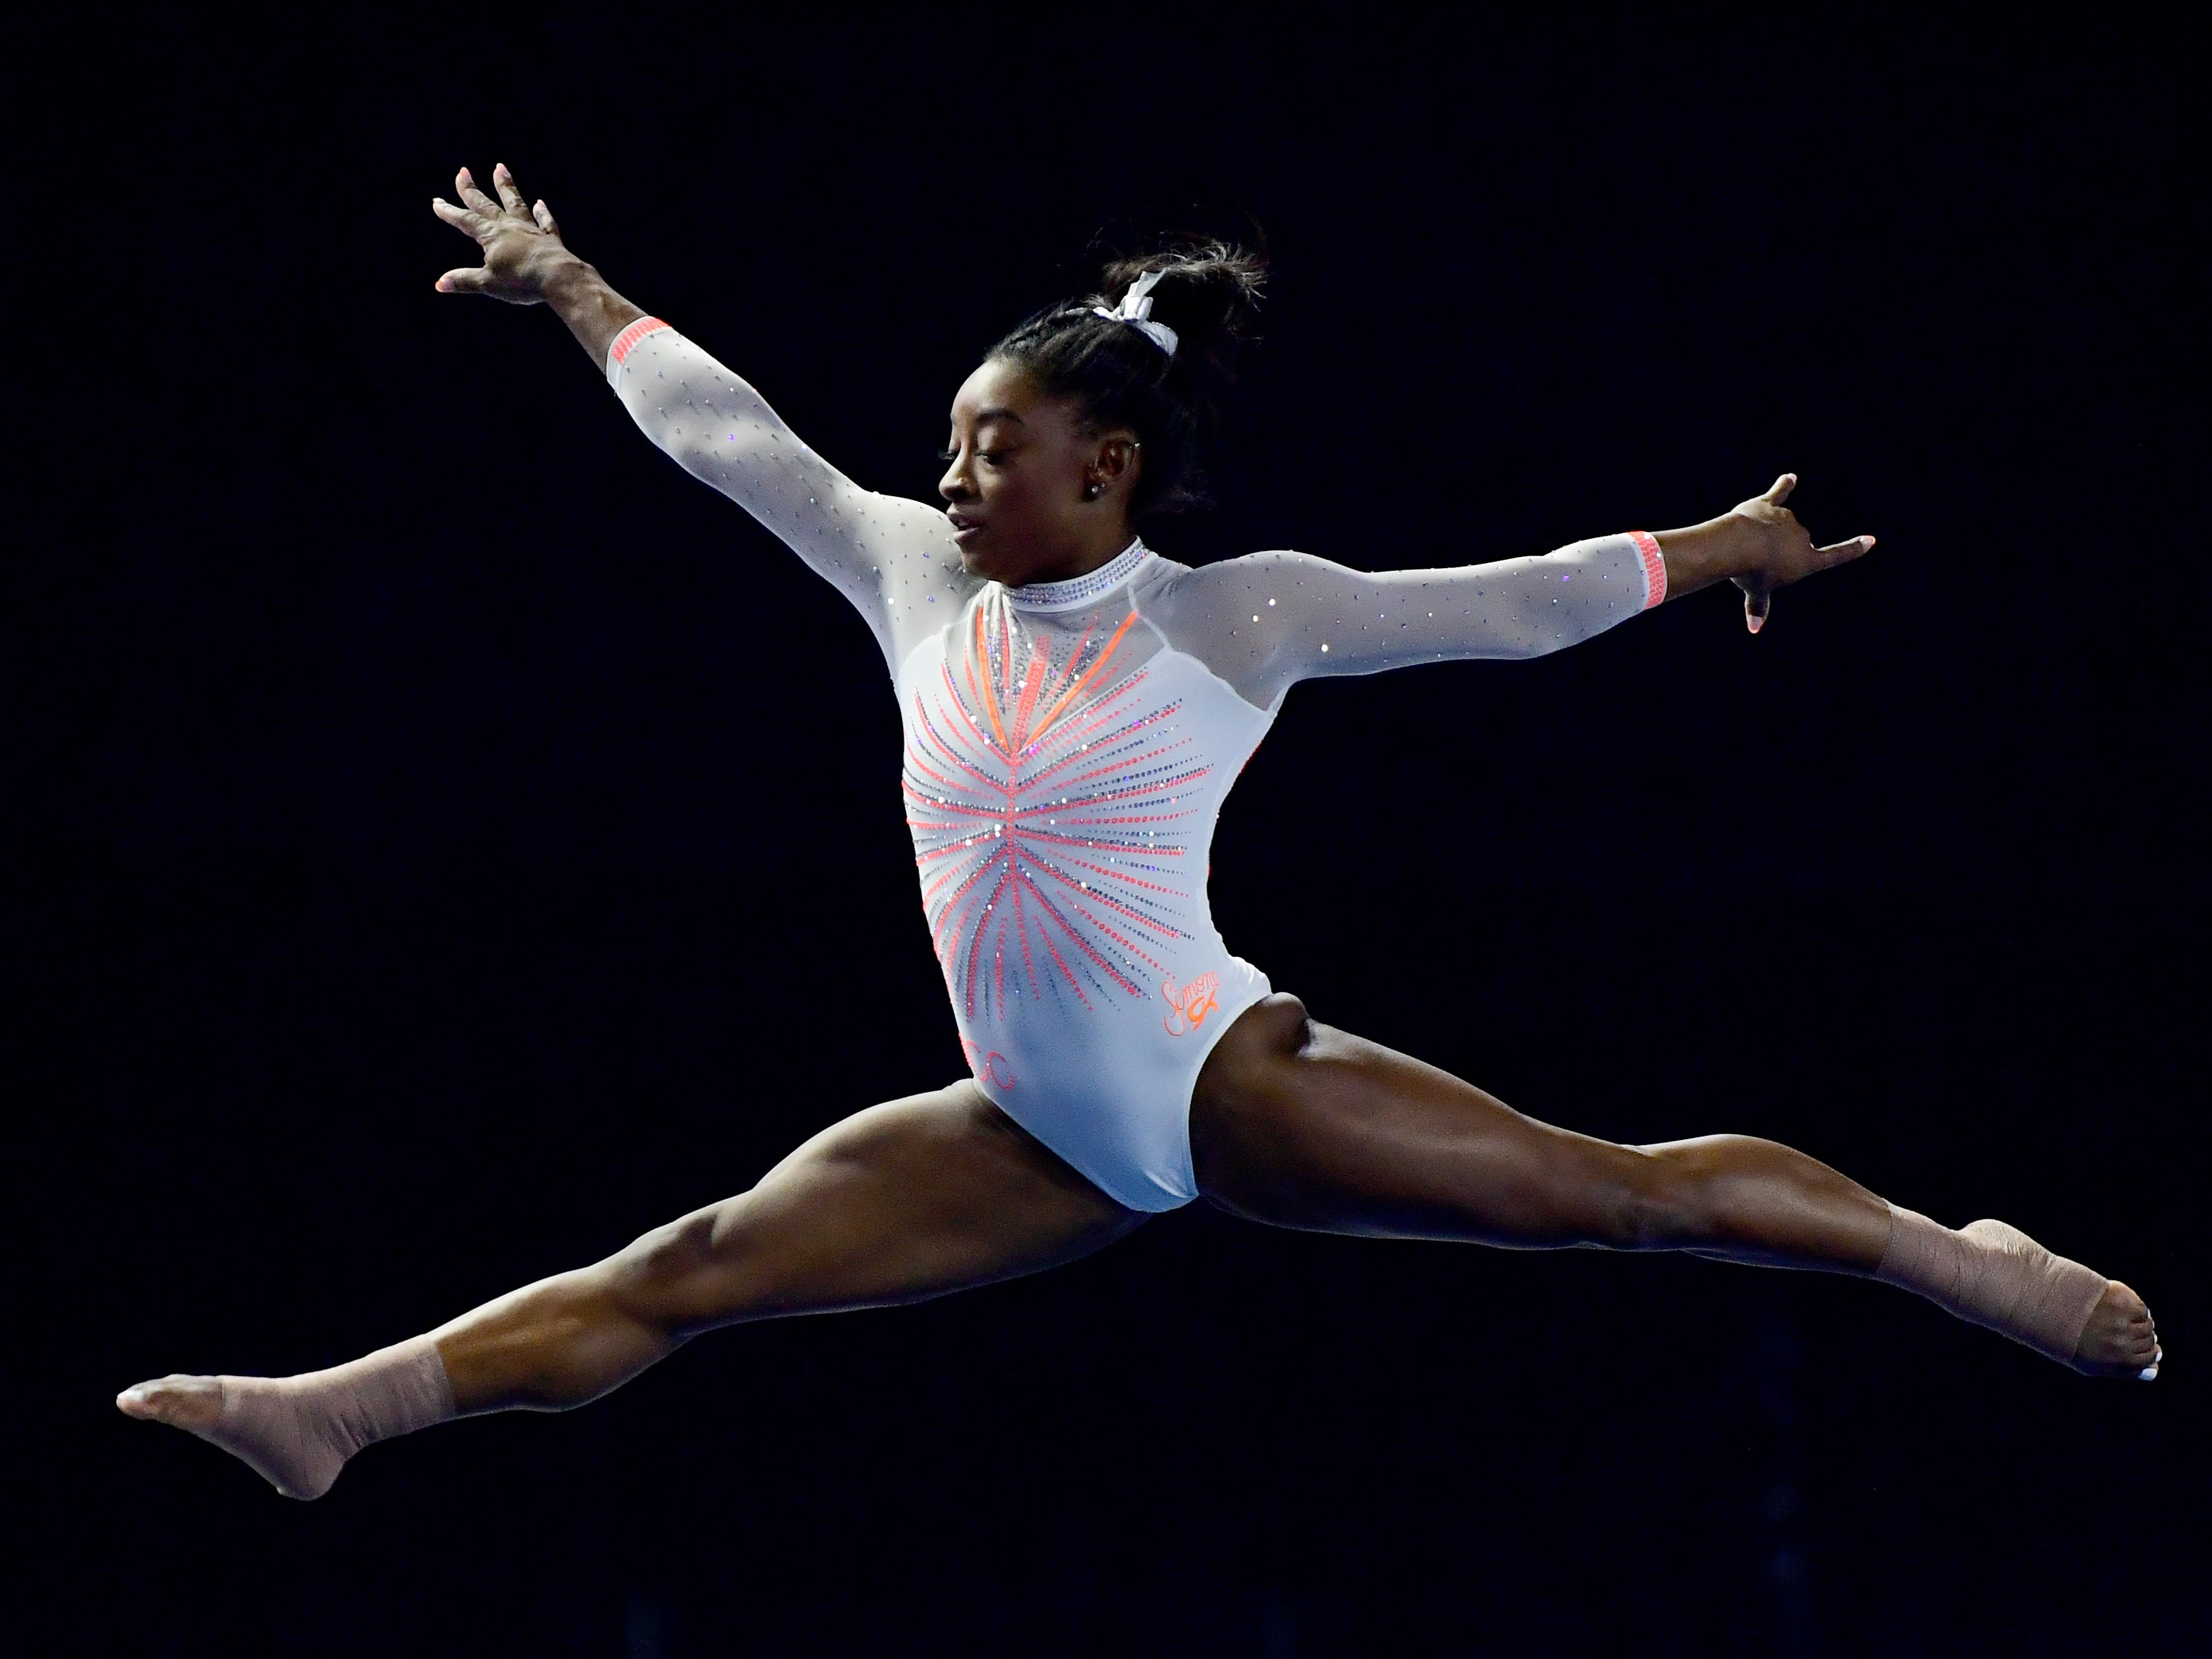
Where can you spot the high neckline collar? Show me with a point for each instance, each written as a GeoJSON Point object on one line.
{"type": "Point", "coordinates": [1085, 590]}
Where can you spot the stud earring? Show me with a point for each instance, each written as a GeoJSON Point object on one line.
{"type": "Point", "coordinates": [1093, 490]}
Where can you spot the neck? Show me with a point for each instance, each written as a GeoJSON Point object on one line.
{"type": "Point", "coordinates": [1072, 592]}
{"type": "Point", "coordinates": [1095, 545]}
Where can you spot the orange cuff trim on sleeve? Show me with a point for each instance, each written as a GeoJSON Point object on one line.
{"type": "Point", "coordinates": [631, 335]}
{"type": "Point", "coordinates": [1654, 568]}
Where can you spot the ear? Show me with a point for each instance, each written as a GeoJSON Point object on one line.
{"type": "Point", "coordinates": [1115, 462]}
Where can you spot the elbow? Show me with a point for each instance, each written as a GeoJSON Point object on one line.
{"type": "Point", "coordinates": [1546, 635]}
{"type": "Point", "coordinates": [1527, 647]}
{"type": "Point", "coordinates": [698, 457]}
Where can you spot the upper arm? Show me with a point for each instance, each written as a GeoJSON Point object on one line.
{"type": "Point", "coordinates": [1267, 620]}
{"type": "Point", "coordinates": [890, 557]}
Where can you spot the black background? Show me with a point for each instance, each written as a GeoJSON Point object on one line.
{"type": "Point", "coordinates": [459, 842]}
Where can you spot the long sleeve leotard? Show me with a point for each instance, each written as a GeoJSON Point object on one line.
{"type": "Point", "coordinates": [1068, 746]}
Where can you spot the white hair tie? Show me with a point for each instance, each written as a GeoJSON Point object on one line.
{"type": "Point", "coordinates": [1137, 312]}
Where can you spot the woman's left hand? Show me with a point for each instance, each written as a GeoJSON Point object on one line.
{"type": "Point", "coordinates": [1759, 546]}
{"type": "Point", "coordinates": [1778, 550]}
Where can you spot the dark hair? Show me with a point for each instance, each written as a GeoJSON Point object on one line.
{"type": "Point", "coordinates": [1208, 293]}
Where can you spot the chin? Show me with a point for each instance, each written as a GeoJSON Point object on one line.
{"type": "Point", "coordinates": [981, 563]}
{"type": "Point", "coordinates": [995, 560]}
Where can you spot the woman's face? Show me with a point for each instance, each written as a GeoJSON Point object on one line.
{"type": "Point", "coordinates": [1031, 495]}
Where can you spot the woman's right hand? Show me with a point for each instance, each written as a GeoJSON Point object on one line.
{"type": "Point", "coordinates": [526, 263]}
{"type": "Point", "coordinates": [522, 247]}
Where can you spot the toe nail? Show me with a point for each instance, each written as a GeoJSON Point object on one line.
{"type": "Point", "coordinates": [2149, 1373]}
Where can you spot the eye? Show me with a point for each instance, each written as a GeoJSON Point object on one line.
{"type": "Point", "coordinates": [993, 456]}
{"type": "Point", "coordinates": [948, 454]}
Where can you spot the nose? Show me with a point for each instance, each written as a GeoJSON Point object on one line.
{"type": "Point", "coordinates": [956, 484]}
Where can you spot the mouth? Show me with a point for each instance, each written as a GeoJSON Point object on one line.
{"type": "Point", "coordinates": [965, 529]}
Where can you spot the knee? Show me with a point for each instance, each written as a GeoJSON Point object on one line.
{"type": "Point", "coordinates": [655, 1276]}
{"type": "Point", "coordinates": [1655, 1201]}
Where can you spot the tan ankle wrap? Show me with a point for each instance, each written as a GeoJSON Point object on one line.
{"type": "Point", "coordinates": [298, 1431]}
{"type": "Point", "coordinates": [1996, 1276]}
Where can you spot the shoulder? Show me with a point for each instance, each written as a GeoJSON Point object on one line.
{"type": "Point", "coordinates": [1276, 578]}
{"type": "Point", "coordinates": [1277, 564]}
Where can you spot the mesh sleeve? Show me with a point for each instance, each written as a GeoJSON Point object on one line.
{"type": "Point", "coordinates": [893, 558]}
{"type": "Point", "coordinates": [1267, 620]}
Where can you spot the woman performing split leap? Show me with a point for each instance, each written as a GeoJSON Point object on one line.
{"type": "Point", "coordinates": [1075, 709]}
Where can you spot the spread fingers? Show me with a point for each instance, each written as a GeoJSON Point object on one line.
{"type": "Point", "coordinates": [465, 184]}
{"type": "Point", "coordinates": [462, 219]}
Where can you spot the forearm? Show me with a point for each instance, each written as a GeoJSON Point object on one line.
{"type": "Point", "coordinates": [595, 313]}
{"type": "Point", "coordinates": [715, 426]}
{"type": "Point", "coordinates": [892, 558]}
{"type": "Point", "coordinates": [1506, 608]}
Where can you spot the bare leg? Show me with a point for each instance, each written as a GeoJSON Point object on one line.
{"type": "Point", "coordinates": [912, 1199]}
{"type": "Point", "coordinates": [1301, 1126]}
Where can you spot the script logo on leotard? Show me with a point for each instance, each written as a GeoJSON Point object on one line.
{"type": "Point", "coordinates": [1191, 1003]}
{"type": "Point", "coordinates": [991, 1068]}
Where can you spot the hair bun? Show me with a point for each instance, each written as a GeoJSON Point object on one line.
{"type": "Point", "coordinates": [1208, 292]}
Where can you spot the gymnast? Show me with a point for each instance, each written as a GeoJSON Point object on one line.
{"type": "Point", "coordinates": [1075, 708]}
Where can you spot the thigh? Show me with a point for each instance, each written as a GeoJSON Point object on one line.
{"type": "Point", "coordinates": [1296, 1123]}
{"type": "Point", "coordinates": [907, 1200]}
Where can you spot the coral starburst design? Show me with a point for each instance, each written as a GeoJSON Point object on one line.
{"type": "Point", "coordinates": [1048, 802]}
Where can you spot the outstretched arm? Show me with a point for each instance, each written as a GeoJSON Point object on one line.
{"type": "Point", "coordinates": [1266, 621]}
{"type": "Point", "coordinates": [893, 558]}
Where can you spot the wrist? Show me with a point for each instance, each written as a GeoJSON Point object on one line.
{"type": "Point", "coordinates": [579, 296]}
{"type": "Point", "coordinates": [563, 279]}
{"type": "Point", "coordinates": [1702, 554]}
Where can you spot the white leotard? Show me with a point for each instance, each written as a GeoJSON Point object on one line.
{"type": "Point", "coordinates": [1068, 747]}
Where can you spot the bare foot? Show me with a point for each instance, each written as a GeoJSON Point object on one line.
{"type": "Point", "coordinates": [192, 1403]}
{"type": "Point", "coordinates": [2120, 1340]}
